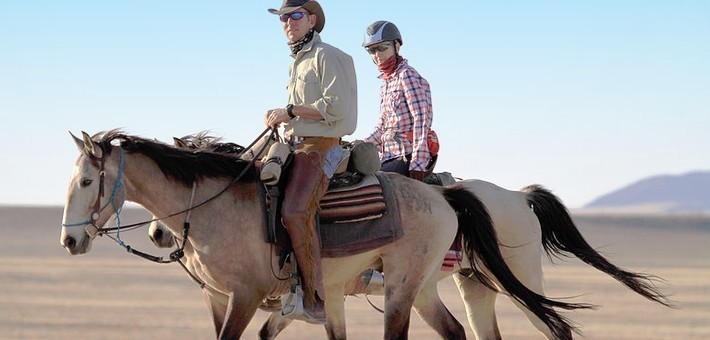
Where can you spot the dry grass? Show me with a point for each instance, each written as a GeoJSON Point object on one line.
{"type": "Point", "coordinates": [108, 294]}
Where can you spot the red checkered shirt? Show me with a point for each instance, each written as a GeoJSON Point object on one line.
{"type": "Point", "coordinates": [405, 107]}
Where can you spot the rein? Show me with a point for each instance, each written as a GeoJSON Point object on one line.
{"type": "Point", "coordinates": [179, 253]}
{"type": "Point", "coordinates": [235, 180]}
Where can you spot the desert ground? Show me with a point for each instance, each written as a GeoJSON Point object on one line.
{"type": "Point", "coordinates": [45, 293]}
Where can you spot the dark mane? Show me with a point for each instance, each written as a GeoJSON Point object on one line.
{"type": "Point", "coordinates": [184, 166]}
{"type": "Point", "coordinates": [202, 141]}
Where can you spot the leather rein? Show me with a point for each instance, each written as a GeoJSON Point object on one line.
{"type": "Point", "coordinates": [92, 230]}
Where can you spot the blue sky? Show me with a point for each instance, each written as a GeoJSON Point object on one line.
{"type": "Point", "coordinates": [583, 97]}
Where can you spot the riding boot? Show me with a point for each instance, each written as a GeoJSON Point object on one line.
{"type": "Point", "coordinates": [306, 186]}
{"type": "Point", "coordinates": [312, 279]}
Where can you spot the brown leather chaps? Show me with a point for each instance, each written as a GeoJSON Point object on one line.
{"type": "Point", "coordinates": [306, 186]}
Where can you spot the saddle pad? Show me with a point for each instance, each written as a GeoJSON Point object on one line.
{"type": "Point", "coordinates": [450, 260]}
{"type": "Point", "coordinates": [347, 230]}
{"type": "Point", "coordinates": [356, 204]}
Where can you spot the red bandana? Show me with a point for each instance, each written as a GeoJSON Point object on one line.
{"type": "Point", "coordinates": [388, 66]}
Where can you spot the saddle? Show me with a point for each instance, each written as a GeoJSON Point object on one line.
{"type": "Point", "coordinates": [358, 213]}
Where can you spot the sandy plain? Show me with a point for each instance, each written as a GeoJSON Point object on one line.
{"type": "Point", "coordinates": [108, 294]}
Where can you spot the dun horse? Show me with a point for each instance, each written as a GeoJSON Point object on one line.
{"type": "Point", "coordinates": [524, 220]}
{"type": "Point", "coordinates": [226, 248]}
{"type": "Point", "coordinates": [523, 233]}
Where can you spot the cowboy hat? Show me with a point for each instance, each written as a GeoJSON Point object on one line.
{"type": "Point", "coordinates": [311, 6]}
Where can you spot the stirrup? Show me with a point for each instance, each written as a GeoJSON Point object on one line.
{"type": "Point", "coordinates": [373, 280]}
{"type": "Point", "coordinates": [271, 304]}
{"type": "Point", "coordinates": [293, 308]}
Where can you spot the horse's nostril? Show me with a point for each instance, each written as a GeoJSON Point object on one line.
{"type": "Point", "coordinates": [158, 235]}
{"type": "Point", "coordinates": [69, 242]}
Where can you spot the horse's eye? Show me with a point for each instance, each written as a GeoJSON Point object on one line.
{"type": "Point", "coordinates": [86, 182]}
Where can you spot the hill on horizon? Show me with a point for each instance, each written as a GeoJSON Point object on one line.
{"type": "Point", "coordinates": [689, 192]}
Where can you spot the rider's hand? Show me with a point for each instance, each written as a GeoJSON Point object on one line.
{"type": "Point", "coordinates": [274, 117]}
{"type": "Point", "coordinates": [416, 174]}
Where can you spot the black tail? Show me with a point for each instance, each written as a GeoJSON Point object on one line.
{"type": "Point", "coordinates": [560, 237]}
{"type": "Point", "coordinates": [480, 242]}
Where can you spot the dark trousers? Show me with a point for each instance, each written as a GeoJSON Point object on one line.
{"type": "Point", "coordinates": [399, 165]}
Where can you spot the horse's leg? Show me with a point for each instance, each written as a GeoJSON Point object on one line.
{"type": "Point", "coordinates": [527, 267]}
{"type": "Point", "coordinates": [398, 306]}
{"type": "Point", "coordinates": [335, 312]}
{"type": "Point", "coordinates": [403, 283]}
{"type": "Point", "coordinates": [240, 309]}
{"type": "Point", "coordinates": [430, 308]}
{"type": "Point", "coordinates": [217, 307]}
{"type": "Point", "coordinates": [479, 301]}
{"type": "Point", "coordinates": [273, 326]}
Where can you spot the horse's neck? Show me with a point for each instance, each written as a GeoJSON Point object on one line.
{"type": "Point", "coordinates": [240, 206]}
{"type": "Point", "coordinates": [146, 185]}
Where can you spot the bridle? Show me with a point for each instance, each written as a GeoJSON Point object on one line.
{"type": "Point", "coordinates": [96, 212]}
{"type": "Point", "coordinates": [92, 230]}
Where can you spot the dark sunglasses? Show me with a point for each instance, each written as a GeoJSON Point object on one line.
{"type": "Point", "coordinates": [293, 15]}
{"type": "Point", "coordinates": [378, 48]}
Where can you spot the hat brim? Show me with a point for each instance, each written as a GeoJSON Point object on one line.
{"type": "Point", "coordinates": [283, 10]}
{"type": "Point", "coordinates": [312, 7]}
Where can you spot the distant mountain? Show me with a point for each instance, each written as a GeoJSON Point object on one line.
{"type": "Point", "coordinates": [667, 193]}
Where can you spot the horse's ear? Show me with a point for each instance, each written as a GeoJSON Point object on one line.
{"type": "Point", "coordinates": [90, 146]}
{"type": "Point", "coordinates": [79, 143]}
{"type": "Point", "coordinates": [179, 143]}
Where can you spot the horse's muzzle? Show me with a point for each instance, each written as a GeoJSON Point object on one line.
{"type": "Point", "coordinates": [74, 247]}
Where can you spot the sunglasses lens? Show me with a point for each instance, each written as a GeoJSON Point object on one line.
{"type": "Point", "coordinates": [294, 16]}
{"type": "Point", "coordinates": [375, 49]}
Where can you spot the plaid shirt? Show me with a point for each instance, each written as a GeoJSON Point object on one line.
{"type": "Point", "coordinates": [405, 107]}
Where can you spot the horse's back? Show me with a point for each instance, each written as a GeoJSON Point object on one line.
{"type": "Point", "coordinates": [515, 223]}
{"type": "Point", "coordinates": [509, 209]}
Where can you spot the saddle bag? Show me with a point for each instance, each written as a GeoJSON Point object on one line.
{"type": "Point", "coordinates": [364, 157]}
{"type": "Point", "coordinates": [273, 162]}
{"type": "Point", "coordinates": [432, 141]}
{"type": "Point", "coordinates": [253, 151]}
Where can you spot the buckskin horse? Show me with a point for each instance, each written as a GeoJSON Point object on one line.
{"type": "Point", "coordinates": [226, 248]}
{"type": "Point", "coordinates": [523, 220]}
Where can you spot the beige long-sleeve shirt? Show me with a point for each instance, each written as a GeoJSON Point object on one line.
{"type": "Point", "coordinates": [323, 77]}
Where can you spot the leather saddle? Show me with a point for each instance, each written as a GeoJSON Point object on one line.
{"type": "Point", "coordinates": [357, 213]}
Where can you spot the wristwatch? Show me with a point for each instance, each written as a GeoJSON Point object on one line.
{"type": "Point", "coordinates": [289, 110]}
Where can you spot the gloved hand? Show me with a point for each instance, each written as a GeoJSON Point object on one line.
{"type": "Point", "coordinates": [416, 174]}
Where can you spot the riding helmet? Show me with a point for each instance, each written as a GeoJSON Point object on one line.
{"type": "Point", "coordinates": [381, 31]}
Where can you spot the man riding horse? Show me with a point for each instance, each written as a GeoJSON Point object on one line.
{"type": "Point", "coordinates": [322, 108]}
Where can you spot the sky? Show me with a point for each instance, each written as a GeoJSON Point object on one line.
{"type": "Point", "coordinates": [583, 97]}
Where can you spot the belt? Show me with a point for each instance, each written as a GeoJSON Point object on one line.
{"type": "Point", "coordinates": [313, 137]}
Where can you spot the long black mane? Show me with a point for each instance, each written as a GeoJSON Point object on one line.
{"type": "Point", "coordinates": [185, 166]}
{"type": "Point", "coordinates": [202, 141]}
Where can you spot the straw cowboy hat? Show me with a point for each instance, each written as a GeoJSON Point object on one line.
{"type": "Point", "coordinates": [311, 6]}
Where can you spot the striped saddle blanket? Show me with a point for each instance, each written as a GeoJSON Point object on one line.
{"type": "Point", "coordinates": [359, 218]}
{"type": "Point", "coordinates": [361, 202]}
{"type": "Point", "coordinates": [355, 219]}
